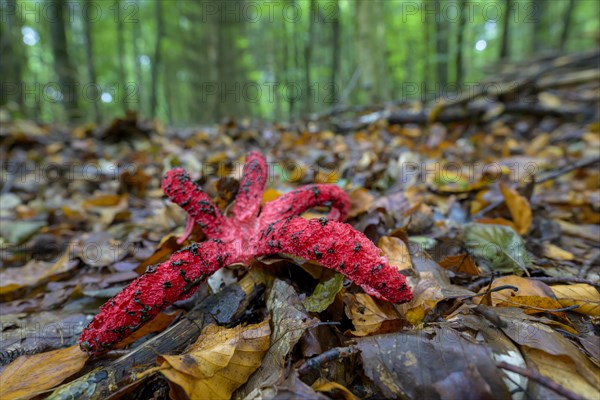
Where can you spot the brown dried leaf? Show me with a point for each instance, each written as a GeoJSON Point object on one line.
{"type": "Point", "coordinates": [360, 202]}
{"type": "Point", "coordinates": [219, 362]}
{"type": "Point", "coordinates": [461, 263]}
{"type": "Point", "coordinates": [29, 375]}
{"type": "Point", "coordinates": [396, 251]}
{"type": "Point", "coordinates": [369, 315]}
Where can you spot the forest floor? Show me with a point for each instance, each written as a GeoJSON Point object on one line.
{"type": "Point", "coordinates": [489, 208]}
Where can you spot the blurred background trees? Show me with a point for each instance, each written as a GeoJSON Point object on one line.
{"type": "Point", "coordinates": [189, 62]}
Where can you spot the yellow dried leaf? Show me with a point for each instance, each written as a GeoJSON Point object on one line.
{"type": "Point", "coordinates": [496, 221]}
{"type": "Point", "coordinates": [333, 388]}
{"type": "Point", "coordinates": [105, 200]}
{"type": "Point", "coordinates": [582, 294]}
{"type": "Point", "coordinates": [534, 305]}
{"type": "Point", "coordinates": [270, 195]}
{"type": "Point", "coordinates": [562, 370]}
{"type": "Point", "coordinates": [367, 314]}
{"type": "Point", "coordinates": [219, 362]}
{"type": "Point", "coordinates": [28, 375]}
{"type": "Point", "coordinates": [556, 253]}
{"type": "Point", "coordinates": [326, 176]}
{"type": "Point", "coordinates": [519, 208]}
{"type": "Point", "coordinates": [396, 251]}
{"type": "Point", "coordinates": [527, 287]}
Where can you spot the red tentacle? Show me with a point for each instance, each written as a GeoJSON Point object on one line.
{"type": "Point", "coordinates": [252, 186]}
{"type": "Point", "coordinates": [179, 187]}
{"type": "Point", "coordinates": [299, 200]}
{"type": "Point", "coordinates": [149, 294]}
{"type": "Point", "coordinates": [340, 247]}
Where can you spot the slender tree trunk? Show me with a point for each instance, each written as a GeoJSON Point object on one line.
{"type": "Point", "coordinates": [308, 49]}
{"type": "Point", "coordinates": [504, 46]}
{"type": "Point", "coordinates": [122, 86]}
{"type": "Point", "coordinates": [567, 25]}
{"type": "Point", "coordinates": [63, 67]}
{"type": "Point", "coordinates": [441, 45]}
{"type": "Point", "coordinates": [335, 53]}
{"type": "Point", "coordinates": [12, 60]}
{"type": "Point", "coordinates": [94, 95]}
{"type": "Point", "coordinates": [156, 64]}
{"type": "Point", "coordinates": [371, 49]}
{"type": "Point", "coordinates": [460, 45]}
{"type": "Point", "coordinates": [139, 76]}
{"type": "Point", "coordinates": [426, 48]}
{"type": "Point", "coordinates": [537, 44]}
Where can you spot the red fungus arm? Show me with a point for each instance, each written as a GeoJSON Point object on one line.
{"type": "Point", "coordinates": [340, 247]}
{"type": "Point", "coordinates": [180, 188]}
{"type": "Point", "coordinates": [149, 294]}
{"type": "Point", "coordinates": [299, 200]}
{"type": "Point", "coordinates": [252, 186]}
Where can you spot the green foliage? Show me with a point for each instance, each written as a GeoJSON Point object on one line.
{"type": "Point", "coordinates": [270, 51]}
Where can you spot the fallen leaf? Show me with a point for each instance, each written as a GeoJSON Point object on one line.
{"type": "Point", "coordinates": [434, 363]}
{"type": "Point", "coordinates": [369, 315]}
{"type": "Point", "coordinates": [269, 195]}
{"type": "Point", "coordinates": [324, 294]}
{"type": "Point", "coordinates": [334, 389]}
{"type": "Point", "coordinates": [461, 263]}
{"type": "Point", "coordinates": [525, 286]}
{"type": "Point", "coordinates": [27, 376]}
{"type": "Point", "coordinates": [289, 321]}
{"type": "Point", "coordinates": [360, 202]}
{"type": "Point", "coordinates": [34, 273]}
{"type": "Point", "coordinates": [519, 208]}
{"type": "Point", "coordinates": [556, 253]}
{"type": "Point", "coordinates": [581, 294]}
{"type": "Point", "coordinates": [498, 246]}
{"type": "Point", "coordinates": [219, 362]}
{"type": "Point", "coordinates": [562, 370]}
{"type": "Point", "coordinates": [396, 252]}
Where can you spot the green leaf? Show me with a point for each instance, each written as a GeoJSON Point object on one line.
{"type": "Point", "coordinates": [324, 294]}
{"type": "Point", "coordinates": [423, 242]}
{"type": "Point", "coordinates": [16, 232]}
{"type": "Point", "coordinates": [500, 247]}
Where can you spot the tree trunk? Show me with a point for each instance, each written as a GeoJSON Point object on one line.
{"type": "Point", "coordinates": [537, 44]}
{"type": "Point", "coordinates": [93, 95]}
{"type": "Point", "coordinates": [137, 54]}
{"type": "Point", "coordinates": [335, 54]}
{"type": "Point", "coordinates": [63, 67]}
{"type": "Point", "coordinates": [12, 61]}
{"type": "Point", "coordinates": [441, 45]}
{"type": "Point", "coordinates": [504, 46]}
{"type": "Point", "coordinates": [156, 64]}
{"type": "Point", "coordinates": [460, 45]}
{"type": "Point", "coordinates": [566, 25]}
{"type": "Point", "coordinates": [371, 49]}
{"type": "Point", "coordinates": [308, 47]}
{"type": "Point", "coordinates": [122, 86]}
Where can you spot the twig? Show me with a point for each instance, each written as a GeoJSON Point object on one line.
{"type": "Point", "coordinates": [568, 279]}
{"type": "Point", "coordinates": [580, 164]}
{"type": "Point", "coordinates": [542, 380]}
{"type": "Point", "coordinates": [330, 355]}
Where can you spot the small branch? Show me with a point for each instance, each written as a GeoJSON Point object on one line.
{"type": "Point", "coordinates": [580, 164]}
{"type": "Point", "coordinates": [330, 355]}
{"type": "Point", "coordinates": [542, 380]}
{"type": "Point", "coordinates": [563, 279]}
